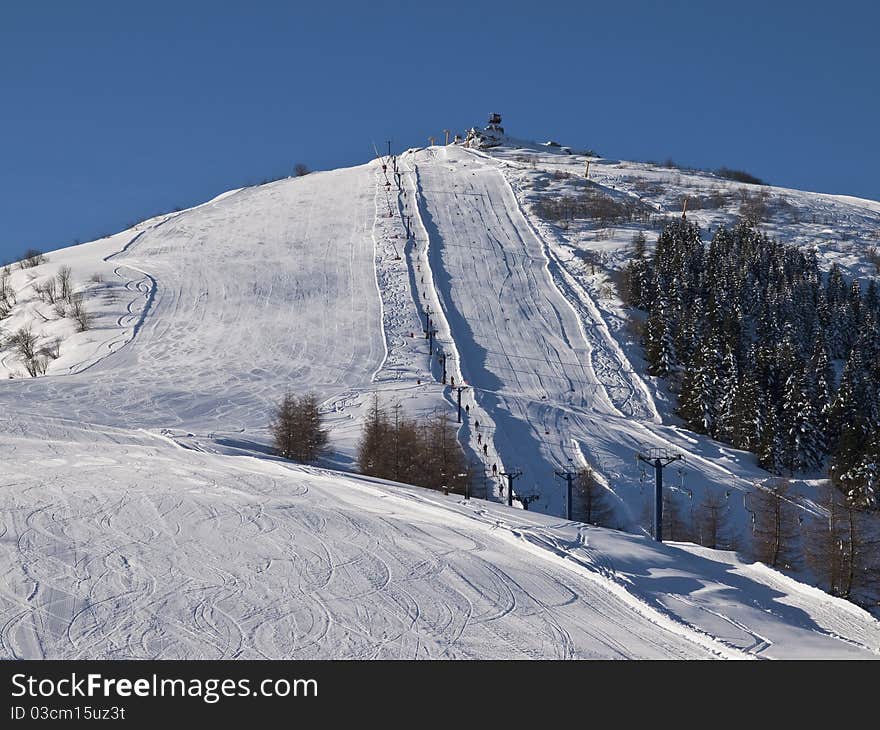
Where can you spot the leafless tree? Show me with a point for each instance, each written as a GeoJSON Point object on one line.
{"type": "Point", "coordinates": [65, 289]}
{"type": "Point", "coordinates": [78, 312]}
{"type": "Point", "coordinates": [676, 526]}
{"type": "Point", "coordinates": [373, 437]}
{"type": "Point", "coordinates": [873, 256]}
{"type": "Point", "coordinates": [396, 447]}
{"type": "Point", "coordinates": [31, 259]}
{"type": "Point", "coordinates": [297, 428]}
{"type": "Point", "coordinates": [775, 528]}
{"type": "Point", "coordinates": [839, 549]}
{"type": "Point", "coordinates": [754, 206]}
{"type": "Point", "coordinates": [402, 447]}
{"type": "Point", "coordinates": [25, 344]}
{"type": "Point", "coordinates": [7, 294]}
{"type": "Point", "coordinates": [595, 507]}
{"type": "Point", "coordinates": [371, 455]}
{"type": "Point", "coordinates": [443, 460]}
{"type": "Point", "coordinates": [37, 366]}
{"type": "Point", "coordinates": [592, 203]}
{"type": "Point", "coordinates": [390, 446]}
{"type": "Point", "coordinates": [713, 521]}
{"type": "Point", "coordinates": [46, 291]}
{"type": "Point", "coordinates": [300, 169]}
{"type": "Point", "coordinates": [51, 349]}
{"type": "Point", "coordinates": [739, 176]}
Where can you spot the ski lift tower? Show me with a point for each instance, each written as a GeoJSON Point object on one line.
{"type": "Point", "coordinates": [659, 459]}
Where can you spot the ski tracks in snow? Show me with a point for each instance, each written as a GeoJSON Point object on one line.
{"type": "Point", "coordinates": [161, 552]}
{"type": "Point", "coordinates": [525, 348]}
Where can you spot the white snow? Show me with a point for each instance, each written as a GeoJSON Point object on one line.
{"type": "Point", "coordinates": [141, 514]}
{"type": "Point", "coordinates": [119, 544]}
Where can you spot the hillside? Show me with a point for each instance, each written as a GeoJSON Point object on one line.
{"type": "Point", "coordinates": [144, 517]}
{"type": "Point", "coordinates": [118, 544]}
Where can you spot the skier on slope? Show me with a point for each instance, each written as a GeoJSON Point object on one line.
{"type": "Point", "coordinates": [494, 469]}
{"type": "Point", "coordinates": [486, 448]}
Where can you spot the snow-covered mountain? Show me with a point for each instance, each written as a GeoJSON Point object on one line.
{"type": "Point", "coordinates": [143, 515]}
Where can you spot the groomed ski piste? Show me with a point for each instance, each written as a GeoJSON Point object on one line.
{"type": "Point", "coordinates": [143, 515]}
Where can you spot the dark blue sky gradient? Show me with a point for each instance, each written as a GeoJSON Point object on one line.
{"type": "Point", "coordinates": [113, 111]}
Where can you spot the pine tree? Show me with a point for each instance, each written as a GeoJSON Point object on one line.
{"type": "Point", "coordinates": [772, 443]}
{"type": "Point", "coordinates": [747, 331]}
{"type": "Point", "coordinates": [635, 287]}
{"type": "Point", "coordinates": [699, 398]}
{"type": "Point", "coordinates": [689, 334]}
{"type": "Point", "coordinates": [849, 423]}
{"type": "Point", "coordinates": [871, 302]}
{"type": "Point", "coordinates": [823, 387]}
{"type": "Point", "coordinates": [659, 345]}
{"type": "Point", "coordinates": [746, 412]}
{"type": "Point", "coordinates": [728, 390]}
{"type": "Point", "coordinates": [801, 424]}
{"type": "Point", "coordinates": [857, 475]}
{"type": "Point", "coordinates": [835, 296]}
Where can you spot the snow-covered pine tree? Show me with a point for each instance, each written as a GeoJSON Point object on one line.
{"type": "Point", "coordinates": [659, 341]}
{"type": "Point", "coordinates": [700, 392]}
{"type": "Point", "coordinates": [847, 422]}
{"type": "Point", "coordinates": [801, 424]}
{"type": "Point", "coordinates": [779, 326]}
{"type": "Point", "coordinates": [772, 443]}
{"type": "Point", "coordinates": [728, 389]}
{"type": "Point", "coordinates": [823, 385]}
{"type": "Point", "coordinates": [635, 288]}
{"type": "Point", "coordinates": [860, 483]}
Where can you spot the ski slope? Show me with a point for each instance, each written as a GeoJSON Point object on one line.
{"type": "Point", "coordinates": [543, 364]}
{"type": "Point", "coordinates": [142, 515]}
{"type": "Point", "coordinates": [265, 289]}
{"type": "Point", "coordinates": [584, 254]}
{"type": "Point", "coordinates": [122, 545]}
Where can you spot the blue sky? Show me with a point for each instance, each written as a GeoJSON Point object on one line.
{"type": "Point", "coordinates": [113, 111]}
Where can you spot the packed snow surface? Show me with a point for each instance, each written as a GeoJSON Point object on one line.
{"type": "Point", "coordinates": [143, 516]}
{"type": "Point", "coordinates": [124, 545]}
